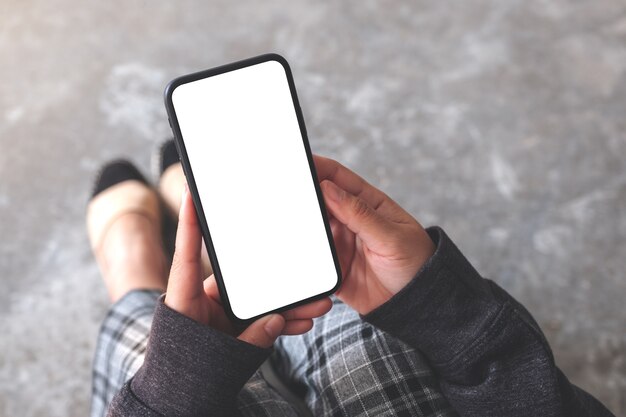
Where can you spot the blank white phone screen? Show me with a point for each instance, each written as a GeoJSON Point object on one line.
{"type": "Point", "coordinates": [249, 163]}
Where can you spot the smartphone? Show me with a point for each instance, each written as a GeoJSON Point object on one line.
{"type": "Point", "coordinates": [243, 145]}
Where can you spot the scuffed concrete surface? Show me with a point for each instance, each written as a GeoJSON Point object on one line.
{"type": "Point", "coordinates": [501, 120]}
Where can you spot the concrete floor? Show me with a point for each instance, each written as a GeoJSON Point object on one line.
{"type": "Point", "coordinates": [501, 120]}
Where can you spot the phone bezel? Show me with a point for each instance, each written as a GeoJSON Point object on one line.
{"type": "Point", "coordinates": [182, 152]}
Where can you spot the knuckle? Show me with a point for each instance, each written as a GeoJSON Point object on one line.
{"type": "Point", "coordinates": [360, 208]}
{"type": "Point", "coordinates": [252, 338]}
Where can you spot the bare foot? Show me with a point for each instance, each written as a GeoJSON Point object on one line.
{"type": "Point", "coordinates": [171, 186]}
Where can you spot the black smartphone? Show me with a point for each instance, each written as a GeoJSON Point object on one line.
{"type": "Point", "coordinates": [243, 145]}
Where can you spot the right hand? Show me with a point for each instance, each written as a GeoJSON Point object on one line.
{"type": "Point", "coordinates": [380, 246]}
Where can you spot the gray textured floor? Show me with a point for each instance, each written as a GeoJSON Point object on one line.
{"type": "Point", "coordinates": [501, 120]}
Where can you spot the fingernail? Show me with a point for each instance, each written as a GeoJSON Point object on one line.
{"type": "Point", "coordinates": [274, 326]}
{"type": "Point", "coordinates": [332, 191]}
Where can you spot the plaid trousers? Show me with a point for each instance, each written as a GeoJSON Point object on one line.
{"type": "Point", "coordinates": [343, 367]}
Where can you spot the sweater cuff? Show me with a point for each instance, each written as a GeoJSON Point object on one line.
{"type": "Point", "coordinates": [443, 308]}
{"type": "Point", "coordinates": [193, 369]}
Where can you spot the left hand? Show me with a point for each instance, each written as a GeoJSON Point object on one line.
{"type": "Point", "coordinates": [197, 298]}
{"type": "Point", "coordinates": [379, 244]}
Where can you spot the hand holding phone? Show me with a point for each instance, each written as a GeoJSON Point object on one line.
{"type": "Point", "coordinates": [380, 246]}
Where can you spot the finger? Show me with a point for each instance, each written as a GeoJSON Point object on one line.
{"type": "Point", "coordinates": [329, 169]}
{"type": "Point", "coordinates": [294, 327]}
{"type": "Point", "coordinates": [341, 234]}
{"type": "Point", "coordinates": [207, 269]}
{"type": "Point", "coordinates": [357, 215]}
{"type": "Point", "coordinates": [335, 226]}
{"type": "Point", "coordinates": [185, 281]}
{"type": "Point", "coordinates": [315, 309]}
{"type": "Point", "coordinates": [344, 242]}
{"type": "Point", "coordinates": [218, 315]}
{"type": "Point", "coordinates": [264, 331]}
{"type": "Point", "coordinates": [211, 289]}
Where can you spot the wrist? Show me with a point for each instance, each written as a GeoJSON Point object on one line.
{"type": "Point", "coordinates": [420, 248]}
{"type": "Point", "coordinates": [206, 365]}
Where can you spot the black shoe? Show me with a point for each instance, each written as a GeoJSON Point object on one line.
{"type": "Point", "coordinates": [104, 207]}
{"type": "Point", "coordinates": [114, 172]}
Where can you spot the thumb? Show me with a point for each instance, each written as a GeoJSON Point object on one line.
{"type": "Point", "coordinates": [184, 286]}
{"type": "Point", "coordinates": [356, 214]}
{"type": "Point", "coordinates": [264, 331]}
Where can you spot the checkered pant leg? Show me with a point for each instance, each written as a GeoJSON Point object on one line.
{"type": "Point", "coordinates": [121, 346]}
{"type": "Point", "coordinates": [346, 367]}
{"type": "Point", "coordinates": [120, 352]}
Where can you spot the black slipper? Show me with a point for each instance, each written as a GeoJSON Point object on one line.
{"type": "Point", "coordinates": [136, 196]}
{"type": "Point", "coordinates": [114, 172]}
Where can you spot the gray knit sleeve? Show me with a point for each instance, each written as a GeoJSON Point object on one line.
{"type": "Point", "coordinates": [189, 370]}
{"type": "Point", "coordinates": [489, 353]}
